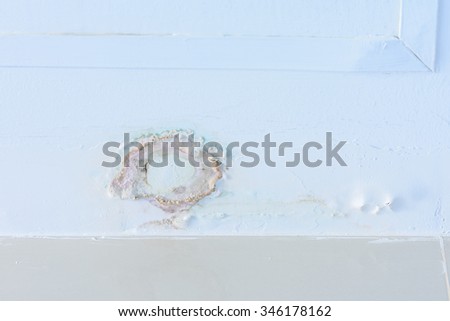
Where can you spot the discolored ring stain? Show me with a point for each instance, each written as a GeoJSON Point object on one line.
{"type": "Point", "coordinates": [136, 182]}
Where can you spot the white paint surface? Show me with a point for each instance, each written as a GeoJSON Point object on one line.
{"type": "Point", "coordinates": [54, 121]}
{"type": "Point", "coordinates": [325, 18]}
{"type": "Point", "coordinates": [222, 268]}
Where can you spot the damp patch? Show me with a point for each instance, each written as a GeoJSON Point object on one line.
{"type": "Point", "coordinates": [170, 187]}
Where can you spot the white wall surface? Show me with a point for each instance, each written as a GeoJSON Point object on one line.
{"type": "Point", "coordinates": [223, 268]}
{"type": "Point", "coordinates": [54, 120]}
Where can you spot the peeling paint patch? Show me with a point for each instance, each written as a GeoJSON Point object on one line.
{"type": "Point", "coordinates": [172, 188]}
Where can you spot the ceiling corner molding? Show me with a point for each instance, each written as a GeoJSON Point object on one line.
{"type": "Point", "coordinates": [418, 29]}
{"type": "Point", "coordinates": [411, 50]}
